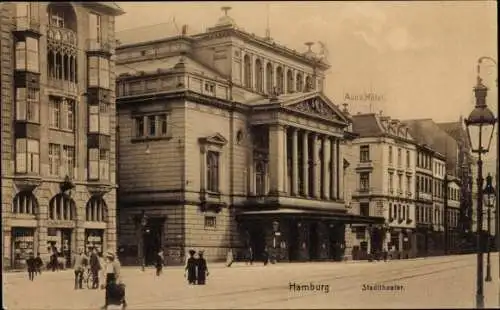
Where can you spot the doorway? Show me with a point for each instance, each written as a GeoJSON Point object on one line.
{"type": "Point", "coordinates": [313, 241]}
{"type": "Point", "coordinates": [257, 241]}
{"type": "Point", "coordinates": [293, 242]}
{"type": "Point", "coordinates": [152, 240]}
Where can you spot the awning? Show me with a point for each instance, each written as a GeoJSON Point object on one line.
{"type": "Point", "coordinates": [311, 214]}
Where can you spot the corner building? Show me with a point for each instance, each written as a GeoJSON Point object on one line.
{"type": "Point", "coordinates": [227, 141]}
{"type": "Point", "coordinates": [57, 128]}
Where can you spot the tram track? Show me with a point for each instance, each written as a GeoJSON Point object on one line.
{"type": "Point", "coordinates": [318, 279]}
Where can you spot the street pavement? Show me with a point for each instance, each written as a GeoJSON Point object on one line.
{"type": "Point", "coordinates": [436, 282]}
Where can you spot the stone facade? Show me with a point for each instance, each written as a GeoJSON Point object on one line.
{"type": "Point", "coordinates": [227, 142]}
{"type": "Point", "coordinates": [48, 202]}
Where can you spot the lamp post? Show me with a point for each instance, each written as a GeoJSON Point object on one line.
{"type": "Point", "coordinates": [144, 222]}
{"type": "Point", "coordinates": [489, 198]}
{"type": "Point", "coordinates": [480, 124]}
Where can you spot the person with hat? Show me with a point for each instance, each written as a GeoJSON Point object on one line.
{"type": "Point", "coordinates": [191, 268]}
{"type": "Point", "coordinates": [31, 264]}
{"type": "Point", "coordinates": [80, 262]}
{"type": "Point", "coordinates": [202, 269]}
{"type": "Point", "coordinates": [115, 289]}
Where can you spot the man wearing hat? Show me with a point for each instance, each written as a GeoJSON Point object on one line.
{"type": "Point", "coordinates": [80, 262]}
{"type": "Point", "coordinates": [201, 268]}
{"type": "Point", "coordinates": [191, 268]}
{"type": "Point", "coordinates": [115, 290]}
{"type": "Point", "coordinates": [31, 264]}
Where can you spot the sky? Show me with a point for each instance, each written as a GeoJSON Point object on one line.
{"type": "Point", "coordinates": [420, 58]}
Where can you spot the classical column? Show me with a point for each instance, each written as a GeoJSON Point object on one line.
{"type": "Point", "coordinates": [295, 162]}
{"type": "Point", "coordinates": [333, 170]}
{"type": "Point", "coordinates": [251, 173]}
{"type": "Point", "coordinates": [340, 171]}
{"type": "Point", "coordinates": [252, 71]}
{"type": "Point", "coordinates": [326, 171]}
{"type": "Point", "coordinates": [285, 80]}
{"type": "Point", "coordinates": [284, 161]}
{"type": "Point", "coordinates": [316, 167]}
{"type": "Point", "coordinates": [276, 152]}
{"type": "Point", "coordinates": [305, 167]}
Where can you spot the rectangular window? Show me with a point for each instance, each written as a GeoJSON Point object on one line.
{"type": "Point", "coordinates": [260, 178]}
{"type": "Point", "coordinates": [151, 125]}
{"type": "Point", "coordinates": [213, 171]}
{"type": "Point", "coordinates": [390, 211]}
{"type": "Point", "coordinates": [54, 112]}
{"type": "Point", "coordinates": [408, 184]}
{"type": "Point", "coordinates": [69, 161]}
{"type": "Point", "coordinates": [104, 73]}
{"type": "Point", "coordinates": [104, 165]}
{"type": "Point", "coordinates": [139, 126]}
{"type": "Point", "coordinates": [408, 159]}
{"type": "Point", "coordinates": [21, 58]}
{"type": "Point", "coordinates": [210, 222]}
{"type": "Point", "coordinates": [67, 114]}
{"type": "Point", "coordinates": [33, 105]}
{"type": "Point", "coordinates": [391, 182]}
{"type": "Point", "coordinates": [364, 181]}
{"type": "Point", "coordinates": [162, 124]}
{"type": "Point", "coordinates": [407, 212]}
{"type": "Point", "coordinates": [399, 157]}
{"type": "Point", "coordinates": [54, 159]}
{"type": "Point", "coordinates": [364, 153]}
{"type": "Point", "coordinates": [93, 118]}
{"type": "Point", "coordinates": [93, 72]}
{"type": "Point", "coordinates": [364, 209]}
{"type": "Point", "coordinates": [104, 118]}
{"type": "Point", "coordinates": [93, 164]}
{"type": "Point", "coordinates": [95, 28]}
{"type": "Point", "coordinates": [21, 104]}
{"type": "Point", "coordinates": [32, 56]}
{"type": "Point", "coordinates": [400, 183]}
{"type": "Point", "coordinates": [27, 156]}
{"type": "Point", "coordinates": [360, 232]}
{"type": "Point", "coordinates": [390, 155]}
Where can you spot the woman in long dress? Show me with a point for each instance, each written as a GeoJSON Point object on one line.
{"type": "Point", "coordinates": [115, 290]}
{"type": "Point", "coordinates": [201, 268]}
{"type": "Point", "coordinates": [191, 268]}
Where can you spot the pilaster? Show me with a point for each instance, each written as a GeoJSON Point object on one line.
{"type": "Point", "coordinates": [305, 162]}
{"type": "Point", "coordinates": [316, 167]}
{"type": "Point", "coordinates": [326, 169]}
{"type": "Point", "coordinates": [295, 163]}
{"type": "Point", "coordinates": [276, 158]}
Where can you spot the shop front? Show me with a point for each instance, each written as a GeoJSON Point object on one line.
{"type": "Point", "coordinates": [94, 239]}
{"type": "Point", "coordinates": [23, 243]}
{"type": "Point", "coordinates": [60, 242]}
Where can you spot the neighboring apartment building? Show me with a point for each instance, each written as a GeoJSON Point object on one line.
{"type": "Point", "coordinates": [227, 141]}
{"type": "Point", "coordinates": [57, 128]}
{"type": "Point", "coordinates": [386, 182]}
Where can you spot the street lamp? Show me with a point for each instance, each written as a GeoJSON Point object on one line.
{"type": "Point", "coordinates": [144, 222]}
{"type": "Point", "coordinates": [480, 124]}
{"type": "Point", "coordinates": [489, 201]}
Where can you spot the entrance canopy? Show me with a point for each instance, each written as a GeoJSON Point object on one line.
{"type": "Point", "coordinates": [312, 214]}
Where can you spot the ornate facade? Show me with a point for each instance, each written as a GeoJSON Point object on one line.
{"type": "Point", "coordinates": [228, 142]}
{"type": "Point", "coordinates": [58, 137]}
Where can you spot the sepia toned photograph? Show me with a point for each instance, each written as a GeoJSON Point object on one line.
{"type": "Point", "coordinates": [249, 155]}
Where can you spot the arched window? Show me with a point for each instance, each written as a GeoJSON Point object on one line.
{"type": "Point", "coordinates": [280, 80]}
{"type": "Point", "coordinates": [269, 78]}
{"type": "Point", "coordinates": [62, 207]}
{"type": "Point", "coordinates": [289, 81]}
{"type": "Point", "coordinates": [25, 203]}
{"type": "Point", "coordinates": [299, 83]}
{"type": "Point", "coordinates": [248, 72]}
{"type": "Point", "coordinates": [259, 76]}
{"type": "Point", "coordinates": [96, 209]}
{"type": "Point", "coordinates": [390, 211]}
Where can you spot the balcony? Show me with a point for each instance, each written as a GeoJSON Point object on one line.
{"type": "Point", "coordinates": [365, 165]}
{"type": "Point", "coordinates": [64, 86]}
{"type": "Point", "coordinates": [64, 36]}
{"type": "Point", "coordinates": [98, 47]}
{"type": "Point", "coordinates": [27, 24]}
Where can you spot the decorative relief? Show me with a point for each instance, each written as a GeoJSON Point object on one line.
{"type": "Point", "coordinates": [316, 107]}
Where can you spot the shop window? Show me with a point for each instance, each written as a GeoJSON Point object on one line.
{"type": "Point", "coordinates": [25, 203]}
{"type": "Point", "coordinates": [23, 243]}
{"type": "Point", "coordinates": [62, 207]}
{"type": "Point", "coordinates": [96, 210]}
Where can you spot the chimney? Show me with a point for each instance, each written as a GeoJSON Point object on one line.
{"type": "Point", "coordinates": [184, 30]}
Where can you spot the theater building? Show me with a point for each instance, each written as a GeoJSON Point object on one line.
{"type": "Point", "coordinates": [57, 128]}
{"type": "Point", "coordinates": [227, 141]}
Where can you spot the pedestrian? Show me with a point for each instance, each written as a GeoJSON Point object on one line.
{"type": "Point", "coordinates": [80, 262]}
{"type": "Point", "coordinates": [250, 255]}
{"type": "Point", "coordinates": [38, 263]}
{"type": "Point", "coordinates": [229, 258]}
{"type": "Point", "coordinates": [53, 260]}
{"type": "Point", "coordinates": [202, 269]}
{"type": "Point", "coordinates": [31, 264]}
{"type": "Point", "coordinates": [95, 267]}
{"type": "Point", "coordinates": [160, 261]}
{"type": "Point", "coordinates": [265, 255]}
{"type": "Point", "coordinates": [115, 289]}
{"type": "Point", "coordinates": [191, 268]}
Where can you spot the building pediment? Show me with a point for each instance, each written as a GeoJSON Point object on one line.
{"type": "Point", "coordinates": [317, 105]}
{"type": "Point", "coordinates": [216, 139]}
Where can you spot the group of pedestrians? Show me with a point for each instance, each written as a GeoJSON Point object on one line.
{"type": "Point", "coordinates": [91, 265]}
{"type": "Point", "coordinates": [196, 269]}
{"type": "Point", "coordinates": [34, 265]}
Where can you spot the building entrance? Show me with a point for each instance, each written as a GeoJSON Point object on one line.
{"type": "Point", "coordinates": [152, 240]}
{"type": "Point", "coordinates": [313, 241]}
